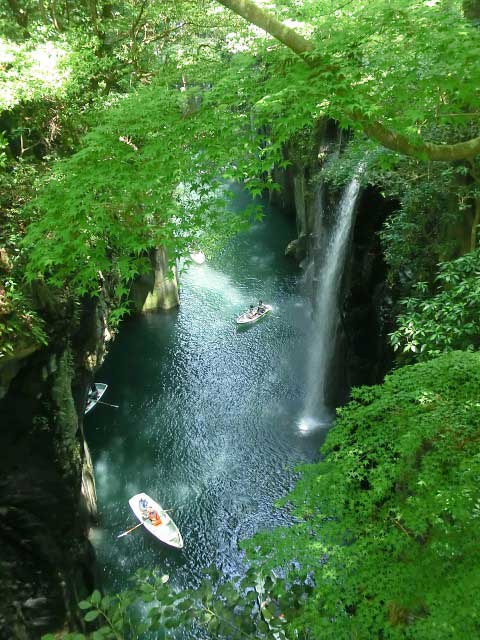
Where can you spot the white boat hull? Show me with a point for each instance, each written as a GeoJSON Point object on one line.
{"type": "Point", "coordinates": [101, 387]}
{"type": "Point", "coordinates": [166, 532]}
{"type": "Point", "coordinates": [198, 257]}
{"type": "Point", "coordinates": [245, 318]}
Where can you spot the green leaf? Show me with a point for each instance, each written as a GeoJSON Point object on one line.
{"type": "Point", "coordinates": [184, 605]}
{"type": "Point", "coordinates": [91, 615]}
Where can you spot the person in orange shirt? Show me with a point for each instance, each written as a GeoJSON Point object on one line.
{"type": "Point", "coordinates": [152, 515]}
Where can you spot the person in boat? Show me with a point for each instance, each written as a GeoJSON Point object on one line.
{"type": "Point", "coordinates": [261, 307]}
{"type": "Point", "coordinates": [252, 313]}
{"type": "Point", "coordinates": [93, 392]}
{"type": "Point", "coordinates": [143, 504]}
{"type": "Point", "coordinates": [153, 516]}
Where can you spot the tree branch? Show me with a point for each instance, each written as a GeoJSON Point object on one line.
{"type": "Point", "coordinates": [136, 22]}
{"type": "Point", "coordinates": [257, 16]}
{"type": "Point", "coordinates": [434, 152]}
{"type": "Point", "coordinates": [375, 130]}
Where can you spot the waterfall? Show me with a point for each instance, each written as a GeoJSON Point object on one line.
{"type": "Point", "coordinates": [332, 247]}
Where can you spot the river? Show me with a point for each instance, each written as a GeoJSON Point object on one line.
{"type": "Point", "coordinates": [209, 418]}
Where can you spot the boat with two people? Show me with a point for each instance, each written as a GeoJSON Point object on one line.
{"type": "Point", "coordinates": [254, 313]}
{"type": "Point", "coordinates": [156, 520]}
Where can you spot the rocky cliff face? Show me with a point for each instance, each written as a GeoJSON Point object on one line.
{"type": "Point", "coordinates": [47, 492]}
{"type": "Point", "coordinates": [156, 290]}
{"type": "Point", "coordinates": [368, 302]}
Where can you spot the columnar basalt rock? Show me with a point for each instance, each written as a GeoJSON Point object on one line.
{"type": "Point", "coordinates": [362, 354]}
{"type": "Point", "coordinates": [156, 290]}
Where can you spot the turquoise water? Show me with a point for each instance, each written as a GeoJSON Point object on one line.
{"type": "Point", "coordinates": [208, 422]}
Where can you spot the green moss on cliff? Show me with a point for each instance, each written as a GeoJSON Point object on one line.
{"type": "Point", "coordinates": [67, 445]}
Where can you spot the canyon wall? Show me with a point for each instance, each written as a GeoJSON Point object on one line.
{"type": "Point", "coordinates": [47, 484]}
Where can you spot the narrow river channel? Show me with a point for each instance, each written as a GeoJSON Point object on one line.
{"type": "Point", "coordinates": [208, 422]}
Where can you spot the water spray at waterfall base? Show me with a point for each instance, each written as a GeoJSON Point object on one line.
{"type": "Point", "coordinates": [309, 424]}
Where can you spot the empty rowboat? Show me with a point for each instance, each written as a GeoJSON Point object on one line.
{"type": "Point", "coordinates": [156, 520]}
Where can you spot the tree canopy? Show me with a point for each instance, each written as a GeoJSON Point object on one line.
{"type": "Point", "coordinates": [184, 96]}
{"type": "Point", "coordinates": [371, 58]}
{"type": "Point", "coordinates": [361, 65]}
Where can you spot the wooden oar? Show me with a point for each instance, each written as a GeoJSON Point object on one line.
{"type": "Point", "coordinates": [115, 406]}
{"type": "Point", "coordinates": [125, 533]}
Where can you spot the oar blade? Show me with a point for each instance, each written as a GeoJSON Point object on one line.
{"type": "Point", "coordinates": [125, 533]}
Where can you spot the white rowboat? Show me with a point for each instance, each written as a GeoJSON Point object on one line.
{"type": "Point", "coordinates": [101, 387]}
{"type": "Point", "coordinates": [248, 318]}
{"type": "Point", "coordinates": [167, 531]}
{"type": "Point", "coordinates": [198, 257]}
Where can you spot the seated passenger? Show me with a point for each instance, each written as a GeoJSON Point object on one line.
{"type": "Point", "coordinates": [93, 392]}
{"type": "Point", "coordinates": [143, 504]}
{"type": "Point", "coordinates": [152, 515]}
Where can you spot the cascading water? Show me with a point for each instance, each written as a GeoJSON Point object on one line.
{"type": "Point", "coordinates": [333, 247]}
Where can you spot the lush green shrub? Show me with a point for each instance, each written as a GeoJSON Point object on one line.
{"type": "Point", "coordinates": [150, 608]}
{"type": "Point", "coordinates": [391, 517]}
{"type": "Point", "coordinates": [446, 320]}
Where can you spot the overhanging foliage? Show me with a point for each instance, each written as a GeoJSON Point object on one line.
{"type": "Point", "coordinates": [368, 75]}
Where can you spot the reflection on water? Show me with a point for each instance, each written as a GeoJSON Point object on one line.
{"type": "Point", "coordinates": [208, 417]}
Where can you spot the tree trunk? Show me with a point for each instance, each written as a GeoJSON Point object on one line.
{"type": "Point", "coordinates": [476, 205]}
{"type": "Point", "coordinates": [43, 12]}
{"type": "Point", "coordinates": [475, 223]}
{"type": "Point", "coordinates": [254, 14]}
{"type": "Point", "coordinates": [57, 23]}
{"type": "Point", "coordinates": [471, 10]}
{"type": "Point", "coordinates": [20, 15]}
{"type": "Point", "coordinates": [435, 152]}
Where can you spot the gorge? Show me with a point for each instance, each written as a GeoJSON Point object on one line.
{"type": "Point", "coordinates": [322, 463]}
{"type": "Point", "coordinates": [173, 377]}
{"type": "Point", "coordinates": [212, 418]}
